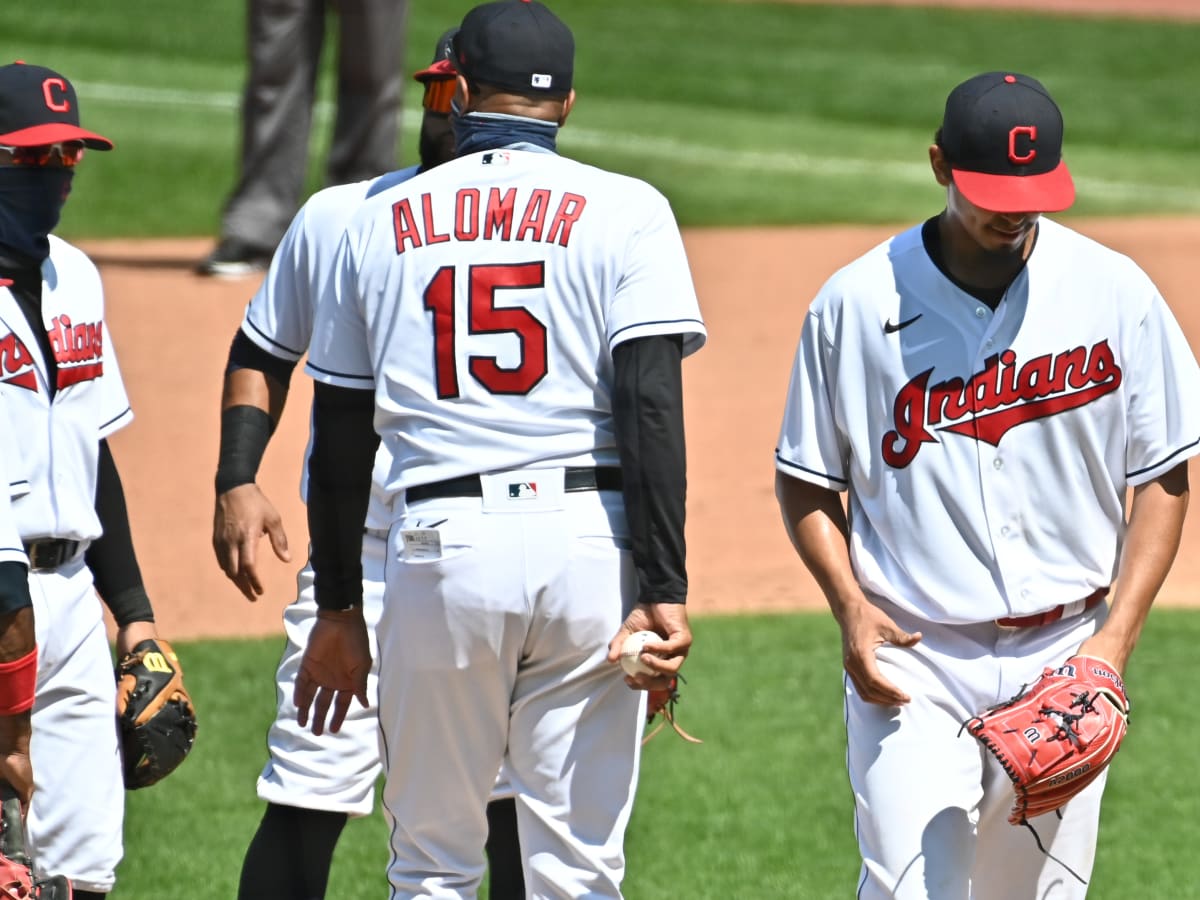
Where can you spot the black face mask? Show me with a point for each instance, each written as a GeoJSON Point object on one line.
{"type": "Point", "coordinates": [31, 202]}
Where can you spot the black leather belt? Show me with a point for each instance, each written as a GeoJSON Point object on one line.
{"type": "Point", "coordinates": [575, 479]}
{"type": "Point", "coordinates": [50, 553]}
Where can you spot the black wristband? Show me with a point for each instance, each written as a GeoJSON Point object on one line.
{"type": "Point", "coordinates": [130, 605]}
{"type": "Point", "coordinates": [245, 431]}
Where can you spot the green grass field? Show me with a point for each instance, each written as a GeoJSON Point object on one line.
{"type": "Point", "coordinates": [742, 113]}
{"type": "Point", "coordinates": [761, 810]}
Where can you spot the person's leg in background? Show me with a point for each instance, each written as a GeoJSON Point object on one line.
{"type": "Point", "coordinates": [284, 42]}
{"type": "Point", "coordinates": [370, 71]}
{"type": "Point", "coordinates": [506, 877]}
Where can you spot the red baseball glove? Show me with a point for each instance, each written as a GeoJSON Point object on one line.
{"type": "Point", "coordinates": [662, 703]}
{"type": "Point", "coordinates": [1057, 735]}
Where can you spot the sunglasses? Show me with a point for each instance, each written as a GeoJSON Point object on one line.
{"type": "Point", "coordinates": [68, 152]}
{"type": "Point", "coordinates": [438, 94]}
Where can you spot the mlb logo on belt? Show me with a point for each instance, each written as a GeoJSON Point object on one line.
{"type": "Point", "coordinates": [523, 490]}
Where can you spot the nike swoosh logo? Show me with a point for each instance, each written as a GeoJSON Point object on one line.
{"type": "Point", "coordinates": [889, 328]}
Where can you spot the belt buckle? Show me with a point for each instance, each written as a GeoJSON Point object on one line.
{"type": "Point", "coordinates": [49, 554]}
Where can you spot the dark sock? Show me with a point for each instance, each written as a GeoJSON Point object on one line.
{"type": "Point", "coordinates": [290, 854]}
{"type": "Point", "coordinates": [506, 877]}
{"type": "Point", "coordinates": [86, 895]}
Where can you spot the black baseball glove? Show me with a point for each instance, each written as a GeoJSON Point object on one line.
{"type": "Point", "coordinates": [155, 713]}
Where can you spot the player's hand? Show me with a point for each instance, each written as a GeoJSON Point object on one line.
{"type": "Point", "coordinates": [243, 515]}
{"type": "Point", "coordinates": [15, 765]}
{"type": "Point", "coordinates": [129, 636]}
{"type": "Point", "coordinates": [665, 656]}
{"type": "Point", "coordinates": [333, 670]}
{"type": "Point", "coordinates": [1113, 649]}
{"type": "Point", "coordinates": [865, 628]}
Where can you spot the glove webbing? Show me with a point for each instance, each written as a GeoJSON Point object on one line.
{"type": "Point", "coordinates": [668, 715]}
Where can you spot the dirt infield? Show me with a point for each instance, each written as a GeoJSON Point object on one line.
{"type": "Point", "coordinates": [172, 332]}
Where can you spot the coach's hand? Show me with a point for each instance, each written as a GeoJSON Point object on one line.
{"type": "Point", "coordinates": [334, 669]}
{"type": "Point", "coordinates": [666, 656]}
{"type": "Point", "coordinates": [865, 628]}
{"type": "Point", "coordinates": [243, 515]}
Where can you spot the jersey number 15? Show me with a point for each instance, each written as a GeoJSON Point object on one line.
{"type": "Point", "coordinates": [484, 317]}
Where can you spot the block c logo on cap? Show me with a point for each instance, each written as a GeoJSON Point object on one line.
{"type": "Point", "coordinates": [60, 103]}
{"type": "Point", "coordinates": [1029, 132]}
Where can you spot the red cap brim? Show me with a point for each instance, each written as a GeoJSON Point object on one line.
{"type": "Point", "coordinates": [443, 68]}
{"type": "Point", "coordinates": [52, 133]}
{"type": "Point", "coordinates": [1051, 191]}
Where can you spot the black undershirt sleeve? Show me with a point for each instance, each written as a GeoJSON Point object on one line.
{"type": "Point", "coordinates": [339, 489]}
{"type": "Point", "coordinates": [14, 587]}
{"type": "Point", "coordinates": [111, 558]}
{"type": "Point", "coordinates": [648, 415]}
{"type": "Point", "coordinates": [245, 354]}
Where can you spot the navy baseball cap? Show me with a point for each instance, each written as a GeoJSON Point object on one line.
{"type": "Point", "coordinates": [441, 67]}
{"type": "Point", "coordinates": [1002, 135]}
{"type": "Point", "coordinates": [518, 46]}
{"type": "Point", "coordinates": [38, 106]}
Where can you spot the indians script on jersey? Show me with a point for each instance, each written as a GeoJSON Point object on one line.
{"type": "Point", "coordinates": [78, 354]}
{"type": "Point", "coordinates": [1005, 394]}
{"type": "Point", "coordinates": [78, 350]}
{"type": "Point", "coordinates": [16, 363]}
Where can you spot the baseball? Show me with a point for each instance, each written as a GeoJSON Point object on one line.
{"type": "Point", "coordinates": [631, 652]}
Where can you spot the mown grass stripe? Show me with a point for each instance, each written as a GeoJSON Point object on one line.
{"type": "Point", "coordinates": [665, 149]}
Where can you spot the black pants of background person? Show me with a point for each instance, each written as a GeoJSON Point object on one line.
{"type": "Point", "coordinates": [290, 855]}
{"type": "Point", "coordinates": [285, 40]}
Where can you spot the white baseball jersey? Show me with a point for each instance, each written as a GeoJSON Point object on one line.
{"type": "Point", "coordinates": [989, 452]}
{"type": "Point", "coordinates": [11, 549]}
{"type": "Point", "coordinates": [279, 318]}
{"type": "Point", "coordinates": [12, 473]}
{"type": "Point", "coordinates": [59, 438]}
{"type": "Point", "coordinates": [489, 345]}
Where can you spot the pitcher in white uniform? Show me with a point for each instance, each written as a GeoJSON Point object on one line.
{"type": "Point", "coordinates": [984, 388]}
{"type": "Point", "coordinates": [513, 325]}
{"type": "Point", "coordinates": [64, 396]}
{"type": "Point", "coordinates": [313, 783]}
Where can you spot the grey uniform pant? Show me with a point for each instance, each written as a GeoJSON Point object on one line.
{"type": "Point", "coordinates": [285, 39]}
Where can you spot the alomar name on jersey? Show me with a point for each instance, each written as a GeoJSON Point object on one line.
{"type": "Point", "coordinates": [78, 354]}
{"type": "Point", "coordinates": [417, 224]}
{"type": "Point", "coordinates": [1001, 396]}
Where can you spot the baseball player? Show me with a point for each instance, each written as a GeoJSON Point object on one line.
{"type": "Point", "coordinates": [63, 391]}
{"type": "Point", "coordinates": [984, 387]}
{"type": "Point", "coordinates": [513, 323]}
{"type": "Point", "coordinates": [312, 784]}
